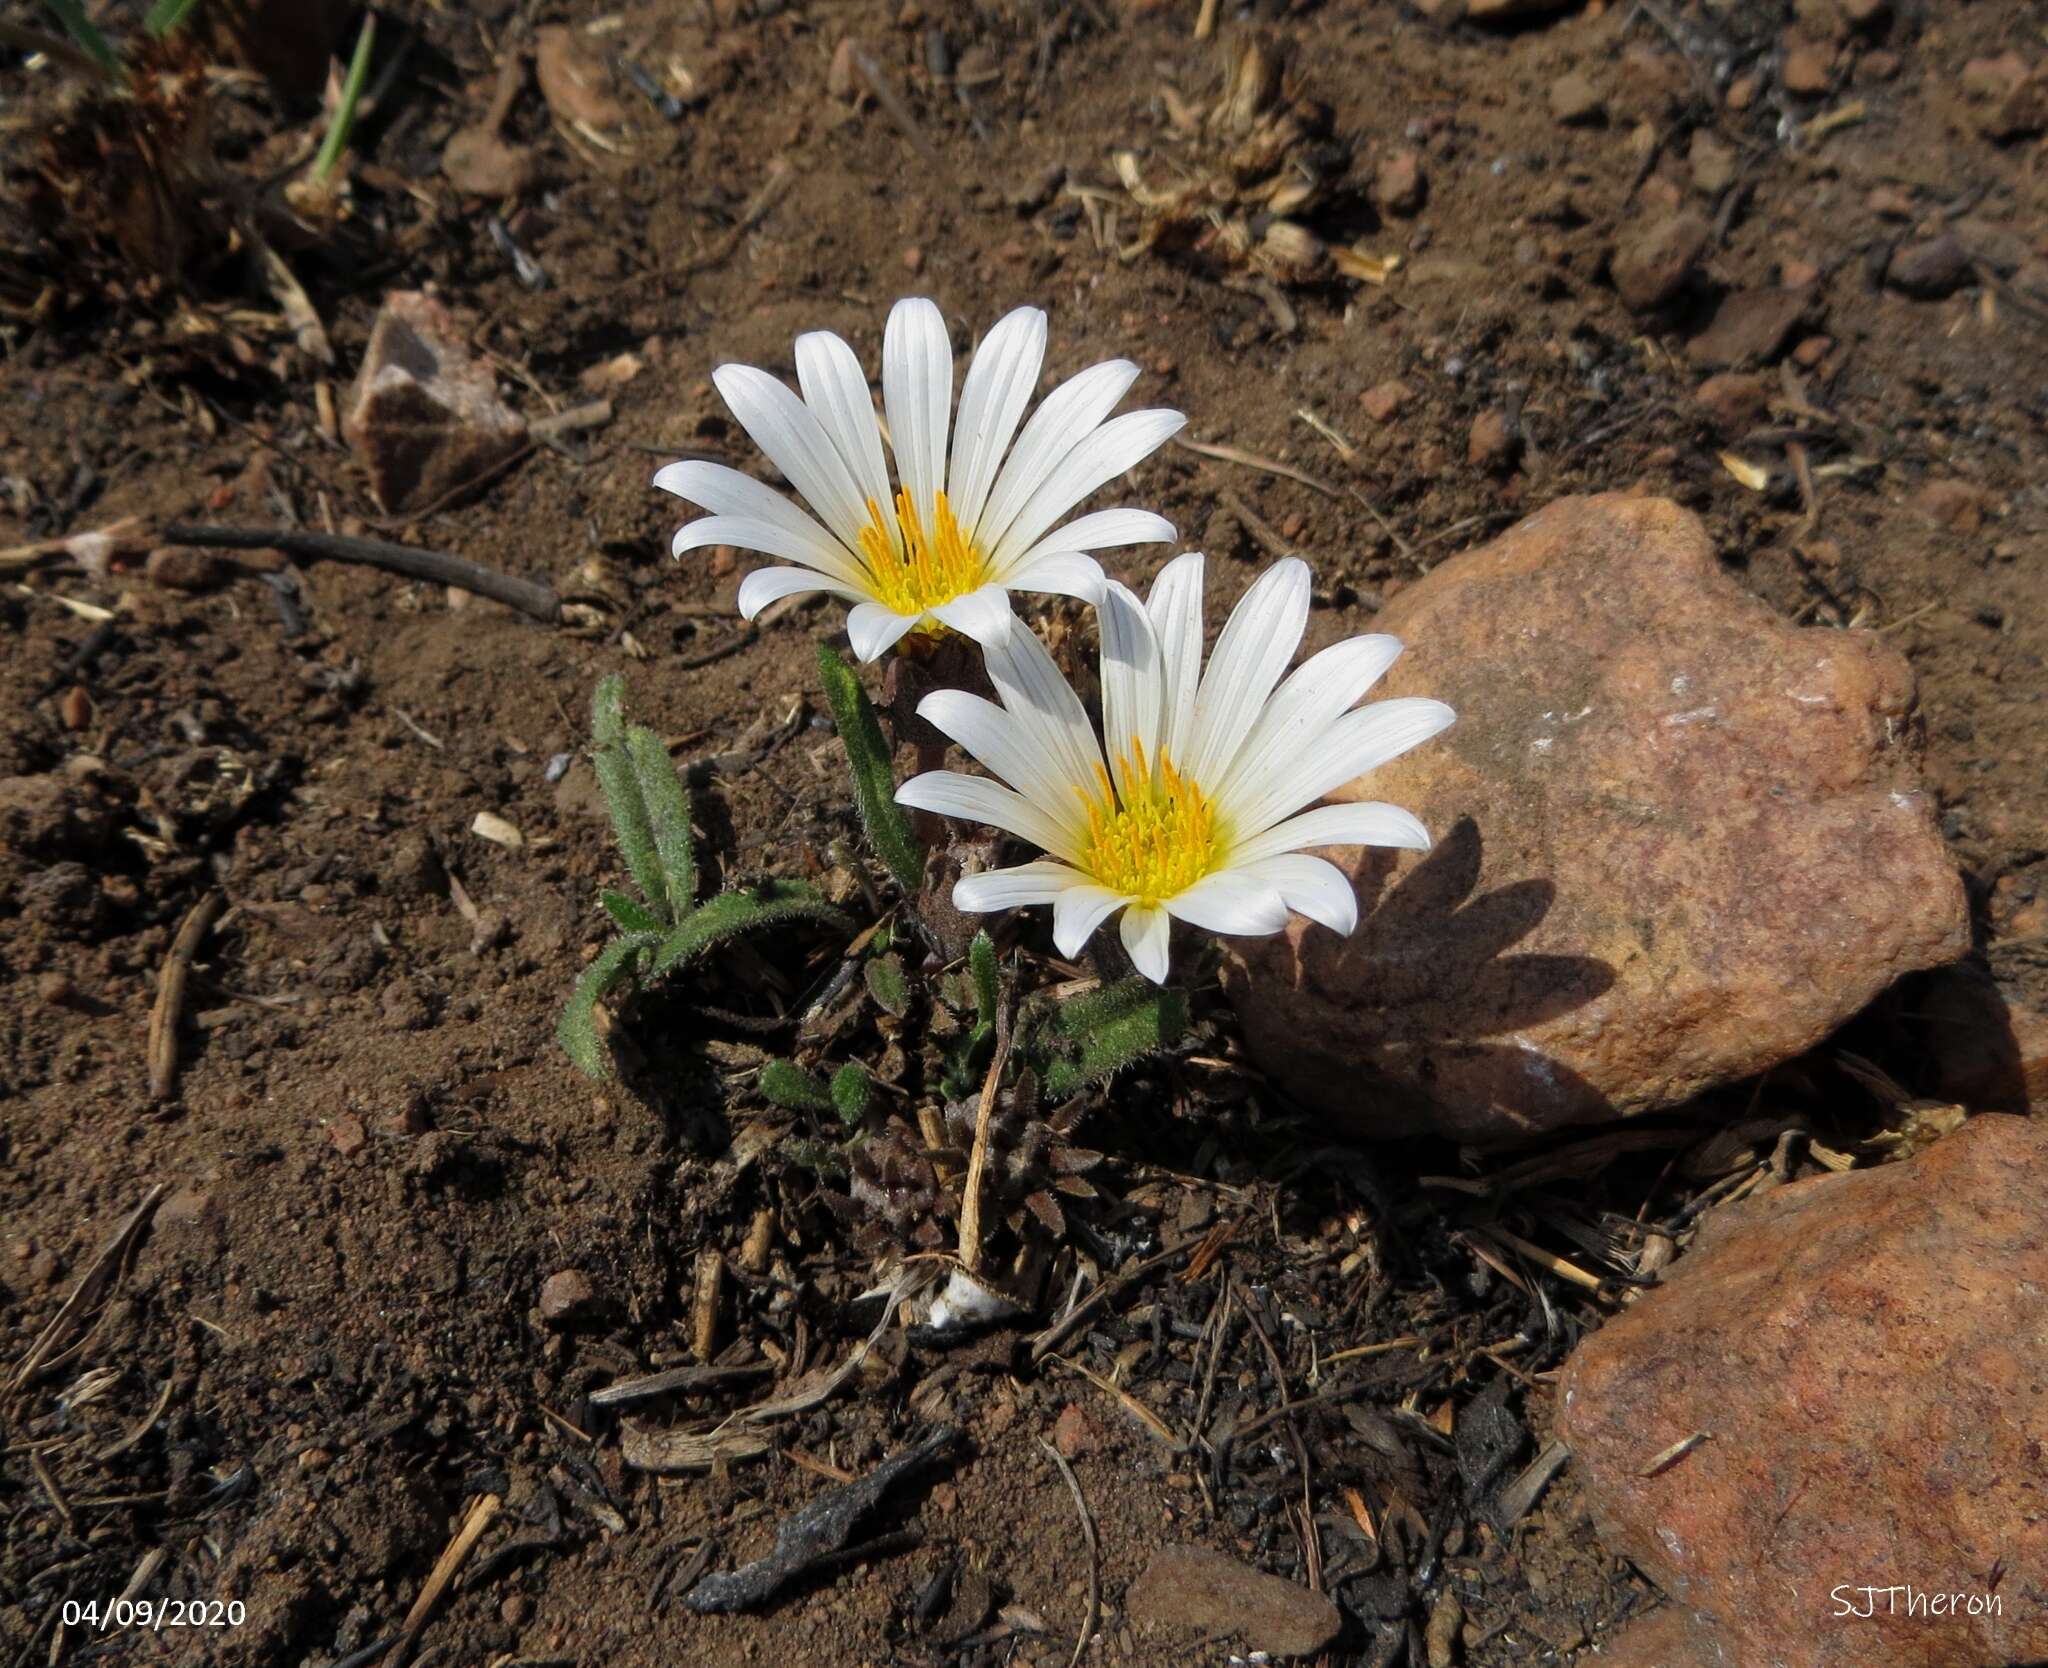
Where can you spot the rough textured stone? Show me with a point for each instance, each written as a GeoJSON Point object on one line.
{"type": "Point", "coordinates": [1575, 100]}
{"type": "Point", "coordinates": [1678, 841]}
{"type": "Point", "coordinates": [1673, 1637]}
{"type": "Point", "coordinates": [1868, 1355]}
{"type": "Point", "coordinates": [1735, 400]}
{"type": "Point", "coordinates": [1750, 327]}
{"type": "Point", "coordinates": [1933, 268]}
{"type": "Point", "coordinates": [425, 419]}
{"type": "Point", "coordinates": [565, 1295]}
{"type": "Point", "coordinates": [1653, 262]}
{"type": "Point", "coordinates": [1191, 1592]}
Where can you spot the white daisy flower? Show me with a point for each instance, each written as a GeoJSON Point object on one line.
{"type": "Point", "coordinates": [1198, 813]}
{"type": "Point", "coordinates": [964, 526]}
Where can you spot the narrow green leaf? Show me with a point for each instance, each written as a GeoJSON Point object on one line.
{"type": "Point", "coordinates": [887, 985]}
{"type": "Point", "coordinates": [1110, 1029]}
{"type": "Point", "coordinates": [668, 809]}
{"type": "Point", "coordinates": [577, 1029]}
{"type": "Point", "coordinates": [787, 1084]}
{"type": "Point", "coordinates": [86, 33]}
{"type": "Point", "coordinates": [631, 916]}
{"type": "Point", "coordinates": [344, 117]}
{"type": "Point", "coordinates": [852, 1092]}
{"type": "Point", "coordinates": [633, 826]}
{"type": "Point", "coordinates": [608, 711]}
{"type": "Point", "coordinates": [167, 16]}
{"type": "Point", "coordinates": [981, 959]}
{"type": "Point", "coordinates": [874, 783]}
{"type": "Point", "coordinates": [731, 913]}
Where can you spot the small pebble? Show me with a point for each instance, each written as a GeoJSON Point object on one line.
{"type": "Point", "coordinates": [564, 1294]}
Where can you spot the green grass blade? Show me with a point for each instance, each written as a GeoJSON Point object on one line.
{"type": "Point", "coordinates": [577, 1029]}
{"type": "Point", "coordinates": [668, 808]}
{"type": "Point", "coordinates": [336, 141]}
{"type": "Point", "coordinates": [874, 783]}
{"type": "Point", "coordinates": [86, 33]}
{"type": "Point", "coordinates": [168, 16]}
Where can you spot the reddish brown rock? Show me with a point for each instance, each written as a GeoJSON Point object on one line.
{"type": "Point", "coordinates": [1808, 68]}
{"type": "Point", "coordinates": [1575, 101]}
{"type": "Point", "coordinates": [1867, 1356]}
{"type": "Point", "coordinates": [1678, 841]}
{"type": "Point", "coordinates": [1653, 262]}
{"type": "Point", "coordinates": [565, 1295]}
{"type": "Point", "coordinates": [1398, 184]}
{"type": "Point", "coordinates": [1673, 1637]}
{"type": "Point", "coordinates": [1749, 327]}
{"type": "Point", "coordinates": [1735, 400]}
{"type": "Point", "coordinates": [1956, 505]}
{"type": "Point", "coordinates": [1383, 401]}
{"type": "Point", "coordinates": [2011, 97]}
{"type": "Point", "coordinates": [425, 419]}
{"type": "Point", "coordinates": [1189, 1593]}
{"type": "Point", "coordinates": [1495, 441]}
{"type": "Point", "coordinates": [1932, 268]}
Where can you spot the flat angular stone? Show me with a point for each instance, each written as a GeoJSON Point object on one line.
{"type": "Point", "coordinates": [425, 419]}
{"type": "Point", "coordinates": [1189, 1592]}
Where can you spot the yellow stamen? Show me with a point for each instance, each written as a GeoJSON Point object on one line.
{"type": "Point", "coordinates": [917, 571]}
{"type": "Point", "coordinates": [1159, 838]}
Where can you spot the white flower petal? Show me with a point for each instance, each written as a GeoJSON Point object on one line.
{"type": "Point", "coordinates": [1232, 902]}
{"type": "Point", "coordinates": [1120, 444]}
{"type": "Point", "coordinates": [785, 428]}
{"type": "Point", "coordinates": [1098, 530]}
{"type": "Point", "coordinates": [1361, 740]}
{"type": "Point", "coordinates": [1131, 685]}
{"type": "Point", "coordinates": [836, 389]}
{"type": "Point", "coordinates": [1017, 888]}
{"type": "Point", "coordinates": [1257, 642]}
{"type": "Point", "coordinates": [1069, 412]}
{"type": "Point", "coordinates": [1064, 573]}
{"type": "Point", "coordinates": [1300, 711]}
{"type": "Point", "coordinates": [766, 585]}
{"type": "Point", "coordinates": [1362, 822]}
{"type": "Point", "coordinates": [1146, 933]}
{"type": "Point", "coordinates": [976, 799]}
{"type": "Point", "coordinates": [1001, 744]}
{"type": "Point", "coordinates": [999, 382]}
{"type": "Point", "coordinates": [982, 615]}
{"type": "Point", "coordinates": [1039, 698]}
{"type": "Point", "coordinates": [917, 389]}
{"type": "Point", "coordinates": [1309, 886]}
{"type": "Point", "coordinates": [1175, 609]}
{"type": "Point", "coordinates": [814, 548]}
{"type": "Point", "coordinates": [1078, 911]}
{"type": "Point", "coordinates": [874, 630]}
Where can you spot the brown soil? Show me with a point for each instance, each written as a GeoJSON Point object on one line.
{"type": "Point", "coordinates": [330, 1338]}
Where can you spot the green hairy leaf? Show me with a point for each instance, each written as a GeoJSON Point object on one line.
{"type": "Point", "coordinates": [787, 1084]}
{"type": "Point", "coordinates": [852, 1092]}
{"type": "Point", "coordinates": [981, 961]}
{"type": "Point", "coordinates": [577, 1029]}
{"type": "Point", "coordinates": [668, 811]}
{"type": "Point", "coordinates": [1109, 1029]}
{"type": "Point", "coordinates": [874, 784]}
{"type": "Point", "coordinates": [631, 916]}
{"type": "Point", "coordinates": [887, 985]}
{"type": "Point", "coordinates": [731, 913]}
{"type": "Point", "coordinates": [608, 711]}
{"type": "Point", "coordinates": [633, 826]}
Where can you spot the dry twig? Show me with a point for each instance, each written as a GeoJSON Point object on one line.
{"type": "Point", "coordinates": [170, 995]}
{"type": "Point", "coordinates": [1094, 1551]}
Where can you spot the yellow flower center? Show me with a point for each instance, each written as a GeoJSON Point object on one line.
{"type": "Point", "coordinates": [1158, 839]}
{"type": "Point", "coordinates": [919, 570]}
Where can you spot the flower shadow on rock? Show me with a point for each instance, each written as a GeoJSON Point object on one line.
{"type": "Point", "coordinates": [1450, 991]}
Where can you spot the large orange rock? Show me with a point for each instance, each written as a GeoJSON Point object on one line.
{"type": "Point", "coordinates": [1863, 1362]}
{"type": "Point", "coordinates": [1678, 841]}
